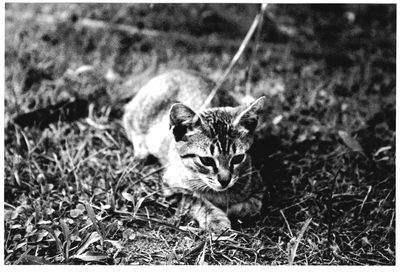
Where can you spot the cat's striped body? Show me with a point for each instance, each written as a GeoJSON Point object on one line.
{"type": "Point", "coordinates": [205, 153]}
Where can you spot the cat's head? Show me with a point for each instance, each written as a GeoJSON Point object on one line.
{"type": "Point", "coordinates": [214, 144]}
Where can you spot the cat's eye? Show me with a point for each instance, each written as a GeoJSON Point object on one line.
{"type": "Point", "coordinates": [237, 159]}
{"type": "Point", "coordinates": [207, 161]}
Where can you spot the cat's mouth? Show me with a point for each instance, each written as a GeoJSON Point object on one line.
{"type": "Point", "coordinates": [219, 187]}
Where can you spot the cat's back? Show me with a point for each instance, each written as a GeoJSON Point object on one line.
{"type": "Point", "coordinates": [153, 101]}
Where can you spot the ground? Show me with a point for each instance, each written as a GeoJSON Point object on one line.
{"type": "Point", "coordinates": [325, 149]}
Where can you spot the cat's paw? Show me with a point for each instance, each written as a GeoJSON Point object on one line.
{"type": "Point", "coordinates": [246, 209]}
{"type": "Point", "coordinates": [219, 225]}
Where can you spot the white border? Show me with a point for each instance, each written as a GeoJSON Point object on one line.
{"type": "Point", "coordinates": [178, 268]}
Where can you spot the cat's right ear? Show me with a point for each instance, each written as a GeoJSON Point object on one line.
{"type": "Point", "coordinates": [182, 119]}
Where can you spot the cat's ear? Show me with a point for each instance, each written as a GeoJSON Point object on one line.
{"type": "Point", "coordinates": [182, 120]}
{"type": "Point", "coordinates": [248, 117]}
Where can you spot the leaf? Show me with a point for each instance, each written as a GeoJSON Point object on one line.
{"type": "Point", "coordinates": [28, 145]}
{"type": "Point", "coordinates": [17, 237]}
{"type": "Point", "coordinates": [383, 159]}
{"type": "Point", "coordinates": [277, 119]}
{"type": "Point", "coordinates": [16, 177]}
{"type": "Point", "coordinates": [75, 237]}
{"type": "Point", "coordinates": [31, 259]}
{"type": "Point", "coordinates": [41, 234]}
{"type": "Point", "coordinates": [52, 232]}
{"type": "Point", "coordinates": [20, 245]}
{"type": "Point", "coordinates": [90, 257]}
{"type": "Point", "coordinates": [47, 188]}
{"type": "Point", "coordinates": [83, 69]}
{"type": "Point", "coordinates": [129, 234]}
{"type": "Point", "coordinates": [10, 214]}
{"type": "Point", "coordinates": [94, 237]}
{"type": "Point", "coordinates": [382, 149]}
{"type": "Point", "coordinates": [69, 221]}
{"type": "Point", "coordinates": [80, 207]}
{"type": "Point", "coordinates": [49, 211]}
{"type": "Point", "coordinates": [365, 241]}
{"type": "Point", "coordinates": [114, 243]}
{"type": "Point", "coordinates": [75, 213]}
{"type": "Point", "coordinates": [105, 207]}
{"type": "Point", "coordinates": [352, 143]}
{"type": "Point", "coordinates": [44, 222]}
{"type": "Point", "coordinates": [29, 229]}
{"type": "Point", "coordinates": [137, 206]}
{"type": "Point", "coordinates": [128, 197]}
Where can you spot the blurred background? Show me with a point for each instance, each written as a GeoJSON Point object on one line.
{"type": "Point", "coordinates": [119, 42]}
{"type": "Point", "coordinates": [326, 149]}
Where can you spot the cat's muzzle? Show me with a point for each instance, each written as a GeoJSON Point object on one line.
{"type": "Point", "coordinates": [224, 178]}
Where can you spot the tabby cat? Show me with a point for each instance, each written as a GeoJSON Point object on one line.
{"type": "Point", "coordinates": [205, 153]}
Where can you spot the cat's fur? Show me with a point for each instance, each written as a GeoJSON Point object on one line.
{"type": "Point", "coordinates": [202, 151]}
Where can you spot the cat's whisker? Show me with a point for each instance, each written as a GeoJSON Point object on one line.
{"type": "Point", "coordinates": [198, 185]}
{"type": "Point", "coordinates": [247, 174]}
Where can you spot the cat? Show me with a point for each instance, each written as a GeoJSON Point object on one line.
{"type": "Point", "coordinates": [205, 153]}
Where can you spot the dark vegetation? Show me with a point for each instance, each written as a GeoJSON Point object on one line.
{"type": "Point", "coordinates": [326, 149]}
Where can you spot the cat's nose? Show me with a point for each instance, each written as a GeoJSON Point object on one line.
{"type": "Point", "coordinates": [224, 177]}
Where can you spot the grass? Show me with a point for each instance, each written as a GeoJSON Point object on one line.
{"type": "Point", "coordinates": [75, 195]}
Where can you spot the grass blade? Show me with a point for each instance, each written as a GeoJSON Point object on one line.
{"type": "Point", "coordinates": [22, 257]}
{"type": "Point", "coordinates": [201, 257]}
{"type": "Point", "coordinates": [66, 233]}
{"type": "Point", "coordinates": [293, 250]}
{"type": "Point", "coordinates": [52, 233]}
{"type": "Point", "coordinates": [92, 217]}
{"type": "Point", "coordinates": [90, 257]}
{"type": "Point", "coordinates": [94, 237]}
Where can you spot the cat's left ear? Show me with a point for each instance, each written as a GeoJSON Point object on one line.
{"type": "Point", "coordinates": [248, 118]}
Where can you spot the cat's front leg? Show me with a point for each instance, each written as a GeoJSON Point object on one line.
{"type": "Point", "coordinates": [209, 216]}
{"type": "Point", "coordinates": [250, 207]}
